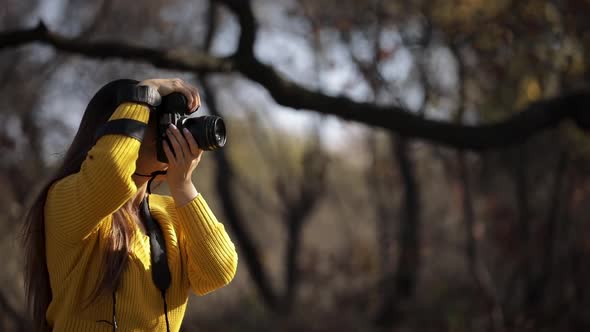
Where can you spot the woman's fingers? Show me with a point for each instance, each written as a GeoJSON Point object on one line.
{"type": "Point", "coordinates": [188, 94]}
{"type": "Point", "coordinates": [168, 153]}
{"type": "Point", "coordinates": [167, 86]}
{"type": "Point", "coordinates": [184, 145]}
{"type": "Point", "coordinates": [174, 140]}
{"type": "Point", "coordinates": [197, 97]}
{"type": "Point", "coordinates": [191, 93]}
{"type": "Point", "coordinates": [194, 100]}
{"type": "Point", "coordinates": [192, 143]}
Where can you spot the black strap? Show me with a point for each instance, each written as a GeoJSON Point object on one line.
{"type": "Point", "coordinates": [158, 257]}
{"type": "Point", "coordinates": [160, 270]}
{"type": "Point", "coordinates": [127, 127]}
{"type": "Point", "coordinates": [143, 94]}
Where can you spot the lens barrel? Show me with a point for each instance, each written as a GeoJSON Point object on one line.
{"type": "Point", "coordinates": [209, 131]}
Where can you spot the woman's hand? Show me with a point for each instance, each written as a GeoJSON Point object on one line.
{"type": "Point", "coordinates": [181, 164]}
{"type": "Point", "coordinates": [182, 150]}
{"type": "Point", "coordinates": [166, 86]}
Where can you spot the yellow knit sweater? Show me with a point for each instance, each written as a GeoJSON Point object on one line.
{"type": "Point", "coordinates": [78, 214]}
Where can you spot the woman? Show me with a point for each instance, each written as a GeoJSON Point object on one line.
{"type": "Point", "coordinates": [88, 254]}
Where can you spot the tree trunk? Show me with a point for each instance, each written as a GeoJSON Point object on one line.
{"type": "Point", "coordinates": [406, 276]}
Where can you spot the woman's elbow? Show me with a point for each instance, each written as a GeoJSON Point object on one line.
{"type": "Point", "coordinates": [225, 272]}
{"type": "Point", "coordinates": [231, 268]}
{"type": "Point", "coordinates": [227, 269]}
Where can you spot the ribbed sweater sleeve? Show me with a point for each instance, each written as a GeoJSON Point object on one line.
{"type": "Point", "coordinates": [78, 202]}
{"type": "Point", "coordinates": [210, 254]}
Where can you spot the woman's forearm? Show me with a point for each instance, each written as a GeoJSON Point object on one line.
{"type": "Point", "coordinates": [210, 254]}
{"type": "Point", "coordinates": [71, 211]}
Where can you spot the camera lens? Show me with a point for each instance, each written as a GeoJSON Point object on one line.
{"type": "Point", "coordinates": [208, 131]}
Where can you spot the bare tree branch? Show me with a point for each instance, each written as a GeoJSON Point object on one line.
{"type": "Point", "coordinates": [533, 119]}
{"type": "Point", "coordinates": [179, 60]}
{"type": "Point", "coordinates": [517, 128]}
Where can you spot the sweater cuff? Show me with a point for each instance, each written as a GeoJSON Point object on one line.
{"type": "Point", "coordinates": [133, 111]}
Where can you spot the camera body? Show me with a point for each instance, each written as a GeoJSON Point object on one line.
{"type": "Point", "coordinates": [209, 131]}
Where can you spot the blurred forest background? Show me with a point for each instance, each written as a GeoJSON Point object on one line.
{"type": "Point", "coordinates": [391, 165]}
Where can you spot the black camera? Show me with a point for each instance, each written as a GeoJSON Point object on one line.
{"type": "Point", "coordinates": [208, 131]}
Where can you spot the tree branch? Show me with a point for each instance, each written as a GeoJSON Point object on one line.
{"type": "Point", "coordinates": [243, 10]}
{"type": "Point", "coordinates": [535, 118]}
{"type": "Point", "coordinates": [515, 129]}
{"type": "Point", "coordinates": [178, 60]}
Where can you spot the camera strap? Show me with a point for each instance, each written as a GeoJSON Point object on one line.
{"type": "Point", "coordinates": [158, 258]}
{"type": "Point", "coordinates": [160, 270]}
{"type": "Point", "coordinates": [127, 127]}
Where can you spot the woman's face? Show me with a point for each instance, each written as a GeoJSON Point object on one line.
{"type": "Point", "coordinates": [147, 161]}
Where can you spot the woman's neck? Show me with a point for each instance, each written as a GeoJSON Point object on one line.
{"type": "Point", "coordinates": [141, 184]}
{"type": "Point", "coordinates": [134, 203]}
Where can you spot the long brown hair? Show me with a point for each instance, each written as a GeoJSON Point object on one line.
{"type": "Point", "coordinates": [38, 291]}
